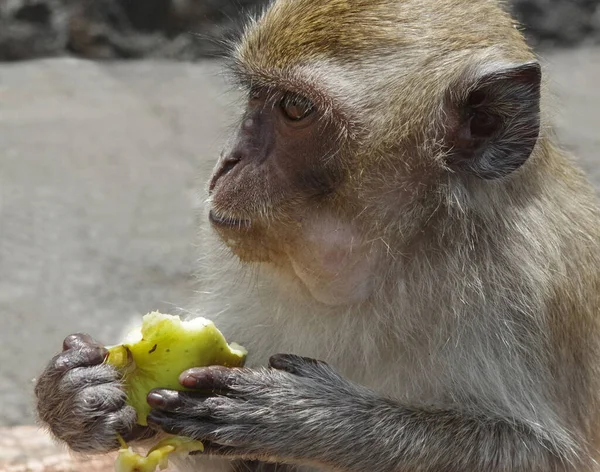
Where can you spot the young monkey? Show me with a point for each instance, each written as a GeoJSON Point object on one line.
{"type": "Point", "coordinates": [402, 211]}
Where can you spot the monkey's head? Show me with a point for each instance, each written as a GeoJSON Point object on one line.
{"type": "Point", "coordinates": [360, 115]}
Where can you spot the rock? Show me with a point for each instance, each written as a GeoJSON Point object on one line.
{"type": "Point", "coordinates": [103, 29]}
{"type": "Point", "coordinates": [191, 29]}
{"type": "Point", "coordinates": [31, 29]}
{"type": "Point", "coordinates": [559, 22]}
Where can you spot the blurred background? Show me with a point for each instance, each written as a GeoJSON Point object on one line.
{"type": "Point", "coordinates": [112, 113]}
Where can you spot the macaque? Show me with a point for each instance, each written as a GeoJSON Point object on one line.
{"type": "Point", "coordinates": [395, 205]}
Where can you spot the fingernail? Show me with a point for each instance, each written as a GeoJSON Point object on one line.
{"type": "Point", "coordinates": [155, 399]}
{"type": "Point", "coordinates": [188, 381]}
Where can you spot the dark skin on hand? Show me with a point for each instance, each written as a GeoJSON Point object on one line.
{"type": "Point", "coordinates": [215, 388]}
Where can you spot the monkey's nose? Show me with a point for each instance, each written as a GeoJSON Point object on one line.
{"type": "Point", "coordinates": [228, 163]}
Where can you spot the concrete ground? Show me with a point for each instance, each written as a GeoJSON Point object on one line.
{"type": "Point", "coordinates": [101, 168]}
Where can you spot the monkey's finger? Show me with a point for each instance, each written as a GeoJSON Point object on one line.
{"type": "Point", "coordinates": [138, 433]}
{"type": "Point", "coordinates": [297, 365]}
{"type": "Point", "coordinates": [166, 423]}
{"type": "Point", "coordinates": [181, 425]}
{"type": "Point", "coordinates": [214, 378]}
{"type": "Point", "coordinates": [84, 357]}
{"type": "Point", "coordinates": [78, 341]}
{"type": "Point", "coordinates": [168, 400]}
{"type": "Point", "coordinates": [174, 400]}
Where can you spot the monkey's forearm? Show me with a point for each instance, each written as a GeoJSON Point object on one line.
{"type": "Point", "coordinates": [387, 437]}
{"type": "Point", "coordinates": [301, 411]}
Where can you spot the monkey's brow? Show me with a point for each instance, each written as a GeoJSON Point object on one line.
{"type": "Point", "coordinates": [282, 80]}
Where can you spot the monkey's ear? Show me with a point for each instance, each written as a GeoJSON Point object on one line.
{"type": "Point", "coordinates": [496, 120]}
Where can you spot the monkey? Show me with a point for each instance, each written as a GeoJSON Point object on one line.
{"type": "Point", "coordinates": [395, 215]}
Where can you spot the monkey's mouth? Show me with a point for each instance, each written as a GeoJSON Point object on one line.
{"type": "Point", "coordinates": [227, 221]}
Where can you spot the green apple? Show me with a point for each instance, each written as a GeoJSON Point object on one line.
{"type": "Point", "coordinates": [154, 355]}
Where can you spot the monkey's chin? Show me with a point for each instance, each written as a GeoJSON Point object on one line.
{"type": "Point", "coordinates": [245, 241]}
{"type": "Point", "coordinates": [248, 249]}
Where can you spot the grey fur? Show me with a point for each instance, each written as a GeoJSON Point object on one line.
{"type": "Point", "coordinates": [83, 402]}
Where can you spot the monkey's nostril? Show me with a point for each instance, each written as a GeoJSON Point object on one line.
{"type": "Point", "coordinates": [226, 166]}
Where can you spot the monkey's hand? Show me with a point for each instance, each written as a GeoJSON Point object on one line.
{"type": "Point", "coordinates": [284, 413]}
{"type": "Point", "coordinates": [82, 401]}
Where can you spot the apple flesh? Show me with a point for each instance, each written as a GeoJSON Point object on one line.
{"type": "Point", "coordinates": [157, 457]}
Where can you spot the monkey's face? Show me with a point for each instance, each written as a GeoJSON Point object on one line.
{"type": "Point", "coordinates": [281, 164]}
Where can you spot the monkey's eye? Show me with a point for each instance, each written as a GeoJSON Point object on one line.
{"type": "Point", "coordinates": [295, 107]}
